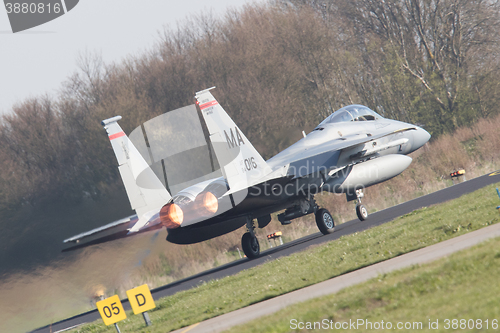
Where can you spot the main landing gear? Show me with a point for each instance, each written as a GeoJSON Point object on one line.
{"type": "Point", "coordinates": [324, 221]}
{"type": "Point", "coordinates": [361, 211]}
{"type": "Point", "coordinates": [305, 206]}
{"type": "Point", "coordinates": [249, 242]}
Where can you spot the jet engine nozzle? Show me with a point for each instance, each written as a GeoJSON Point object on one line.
{"type": "Point", "coordinates": [171, 216]}
{"type": "Point", "coordinates": [206, 203]}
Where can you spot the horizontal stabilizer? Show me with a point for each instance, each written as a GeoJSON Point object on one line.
{"type": "Point", "coordinates": [110, 232]}
{"type": "Point", "coordinates": [76, 239]}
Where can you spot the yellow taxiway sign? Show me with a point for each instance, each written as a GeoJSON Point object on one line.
{"type": "Point", "coordinates": [140, 299]}
{"type": "Point", "coordinates": [111, 310]}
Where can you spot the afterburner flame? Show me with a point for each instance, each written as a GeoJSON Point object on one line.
{"type": "Point", "coordinates": [171, 216]}
{"type": "Point", "coordinates": [207, 203]}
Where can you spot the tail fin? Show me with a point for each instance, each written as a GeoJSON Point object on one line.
{"type": "Point", "coordinates": [241, 163]}
{"type": "Point", "coordinates": [146, 195]}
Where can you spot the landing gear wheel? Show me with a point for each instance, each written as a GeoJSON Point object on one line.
{"type": "Point", "coordinates": [361, 212]}
{"type": "Point", "coordinates": [324, 221]}
{"type": "Point", "coordinates": [250, 245]}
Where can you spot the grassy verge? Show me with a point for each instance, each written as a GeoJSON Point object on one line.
{"type": "Point", "coordinates": [463, 286]}
{"type": "Point", "coordinates": [413, 231]}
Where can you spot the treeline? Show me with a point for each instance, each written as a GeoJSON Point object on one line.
{"type": "Point", "coordinates": [279, 67]}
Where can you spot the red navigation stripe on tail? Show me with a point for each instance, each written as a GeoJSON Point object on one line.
{"type": "Point", "coordinates": [116, 135]}
{"type": "Point", "coordinates": [208, 104]}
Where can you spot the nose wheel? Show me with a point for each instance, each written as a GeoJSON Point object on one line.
{"type": "Point", "coordinates": [361, 210]}
{"type": "Point", "coordinates": [324, 221]}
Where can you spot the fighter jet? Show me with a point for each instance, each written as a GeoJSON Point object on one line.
{"type": "Point", "coordinates": [350, 150]}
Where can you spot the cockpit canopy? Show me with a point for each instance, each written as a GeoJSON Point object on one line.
{"type": "Point", "coordinates": [351, 113]}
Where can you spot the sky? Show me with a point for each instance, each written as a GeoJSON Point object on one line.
{"type": "Point", "coordinates": [36, 61]}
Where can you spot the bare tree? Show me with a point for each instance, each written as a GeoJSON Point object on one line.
{"type": "Point", "coordinates": [436, 42]}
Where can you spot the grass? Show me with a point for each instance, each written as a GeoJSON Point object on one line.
{"type": "Point", "coordinates": [418, 229]}
{"type": "Point", "coordinates": [463, 286]}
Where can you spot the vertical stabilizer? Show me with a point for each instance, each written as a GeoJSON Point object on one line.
{"type": "Point", "coordinates": [145, 191]}
{"type": "Point", "coordinates": [240, 162]}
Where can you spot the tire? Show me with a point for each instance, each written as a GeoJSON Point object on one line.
{"type": "Point", "coordinates": [250, 246]}
{"type": "Point", "coordinates": [362, 212]}
{"type": "Point", "coordinates": [324, 221]}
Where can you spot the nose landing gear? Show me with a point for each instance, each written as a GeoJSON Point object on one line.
{"type": "Point", "coordinates": [361, 210]}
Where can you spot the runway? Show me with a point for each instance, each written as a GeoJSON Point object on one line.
{"type": "Point", "coordinates": [350, 227]}
{"type": "Point", "coordinates": [418, 257]}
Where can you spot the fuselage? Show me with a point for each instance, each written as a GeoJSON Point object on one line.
{"type": "Point", "coordinates": [352, 148]}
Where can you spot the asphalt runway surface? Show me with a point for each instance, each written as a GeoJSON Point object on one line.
{"type": "Point", "coordinates": [331, 286]}
{"type": "Point", "coordinates": [298, 245]}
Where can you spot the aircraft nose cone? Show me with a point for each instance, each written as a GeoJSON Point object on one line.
{"type": "Point", "coordinates": [420, 137]}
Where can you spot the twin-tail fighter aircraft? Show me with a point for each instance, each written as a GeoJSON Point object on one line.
{"type": "Point", "coordinates": [350, 150]}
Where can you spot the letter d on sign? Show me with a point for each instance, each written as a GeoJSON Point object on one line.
{"type": "Point", "coordinates": [140, 299]}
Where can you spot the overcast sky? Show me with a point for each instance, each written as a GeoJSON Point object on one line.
{"type": "Point", "coordinates": [37, 60]}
